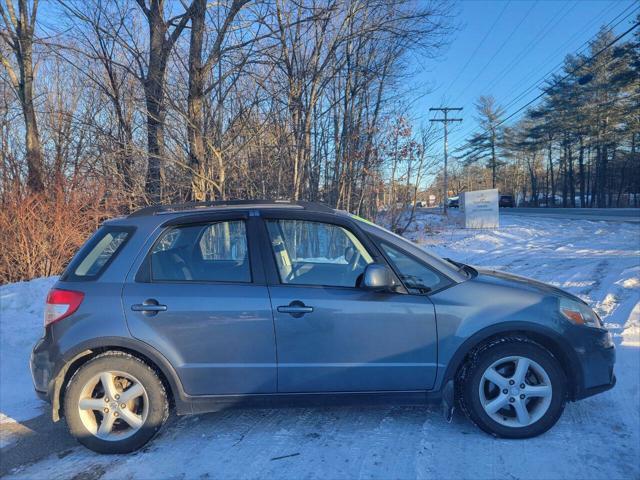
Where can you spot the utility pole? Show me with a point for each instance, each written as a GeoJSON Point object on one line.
{"type": "Point", "coordinates": [445, 121]}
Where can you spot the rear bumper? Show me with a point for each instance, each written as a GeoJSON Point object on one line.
{"type": "Point", "coordinates": [42, 368]}
{"type": "Point", "coordinates": [44, 396]}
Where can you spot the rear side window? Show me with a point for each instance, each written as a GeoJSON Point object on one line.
{"type": "Point", "coordinates": [101, 250]}
{"type": "Point", "coordinates": [215, 252]}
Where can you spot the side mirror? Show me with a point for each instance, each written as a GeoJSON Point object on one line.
{"type": "Point", "coordinates": [377, 277]}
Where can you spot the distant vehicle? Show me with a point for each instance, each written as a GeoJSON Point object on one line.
{"type": "Point", "coordinates": [198, 307]}
{"type": "Point", "coordinates": [421, 204]}
{"type": "Point", "coordinates": [454, 202]}
{"type": "Point", "coordinates": [506, 201]}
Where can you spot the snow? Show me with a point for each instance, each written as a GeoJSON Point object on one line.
{"type": "Point", "coordinates": [21, 324]}
{"type": "Point", "coordinates": [596, 438]}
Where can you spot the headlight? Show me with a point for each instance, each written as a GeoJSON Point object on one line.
{"type": "Point", "coordinates": [579, 313]}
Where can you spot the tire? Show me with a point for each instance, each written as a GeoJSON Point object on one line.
{"type": "Point", "coordinates": [543, 396]}
{"type": "Point", "coordinates": [127, 426]}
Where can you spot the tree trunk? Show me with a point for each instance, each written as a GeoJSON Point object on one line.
{"type": "Point", "coordinates": [195, 102]}
{"type": "Point", "coordinates": [199, 155]}
{"type": "Point", "coordinates": [161, 42]}
{"type": "Point", "coordinates": [552, 178]}
{"type": "Point", "coordinates": [18, 34]}
{"type": "Point", "coordinates": [581, 173]}
{"type": "Point", "coordinates": [572, 183]}
{"type": "Point", "coordinates": [154, 95]}
{"type": "Point", "coordinates": [596, 196]}
{"type": "Point", "coordinates": [494, 164]}
{"type": "Point", "coordinates": [565, 177]}
{"type": "Point", "coordinates": [35, 174]}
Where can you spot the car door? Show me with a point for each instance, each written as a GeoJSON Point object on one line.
{"type": "Point", "coordinates": [200, 299]}
{"type": "Point", "coordinates": [331, 335]}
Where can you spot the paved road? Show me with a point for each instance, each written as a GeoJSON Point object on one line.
{"type": "Point", "coordinates": [36, 439]}
{"type": "Point", "coordinates": [595, 214]}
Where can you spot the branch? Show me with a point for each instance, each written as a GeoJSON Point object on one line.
{"type": "Point", "coordinates": [12, 74]}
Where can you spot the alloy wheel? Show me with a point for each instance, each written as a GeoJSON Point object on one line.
{"type": "Point", "coordinates": [113, 405]}
{"type": "Point", "coordinates": [515, 391]}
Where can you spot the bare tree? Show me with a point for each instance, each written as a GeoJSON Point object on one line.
{"type": "Point", "coordinates": [18, 34]}
{"type": "Point", "coordinates": [97, 53]}
{"type": "Point", "coordinates": [198, 69]}
{"type": "Point", "coordinates": [163, 34]}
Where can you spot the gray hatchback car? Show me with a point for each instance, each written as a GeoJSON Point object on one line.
{"type": "Point", "coordinates": [199, 307]}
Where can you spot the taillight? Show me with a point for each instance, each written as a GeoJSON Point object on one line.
{"type": "Point", "coordinates": [61, 304]}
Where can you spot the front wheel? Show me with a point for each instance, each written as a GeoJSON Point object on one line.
{"type": "Point", "coordinates": [513, 388]}
{"type": "Point", "coordinates": [115, 403]}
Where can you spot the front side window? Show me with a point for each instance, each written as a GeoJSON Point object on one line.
{"type": "Point", "coordinates": [316, 253]}
{"type": "Point", "coordinates": [215, 252]}
{"type": "Point", "coordinates": [415, 275]}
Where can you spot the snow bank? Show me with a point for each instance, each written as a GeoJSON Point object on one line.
{"type": "Point", "coordinates": [21, 324]}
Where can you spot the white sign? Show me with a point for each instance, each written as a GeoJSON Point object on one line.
{"type": "Point", "coordinates": [480, 209]}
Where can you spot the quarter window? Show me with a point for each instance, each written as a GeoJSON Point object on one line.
{"type": "Point", "coordinates": [215, 252]}
{"type": "Point", "coordinates": [106, 245]}
{"type": "Point", "coordinates": [316, 253]}
{"type": "Point", "coordinates": [415, 275]}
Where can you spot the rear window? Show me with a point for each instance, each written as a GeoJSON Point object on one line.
{"type": "Point", "coordinates": [97, 254]}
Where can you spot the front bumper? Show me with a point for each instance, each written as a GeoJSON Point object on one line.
{"type": "Point", "coordinates": [596, 356]}
{"type": "Point", "coordinates": [588, 392]}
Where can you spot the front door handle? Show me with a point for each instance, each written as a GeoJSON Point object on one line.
{"type": "Point", "coordinates": [296, 309]}
{"type": "Point", "coordinates": [149, 307]}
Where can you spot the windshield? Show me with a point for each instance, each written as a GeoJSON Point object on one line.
{"type": "Point", "coordinates": [454, 270]}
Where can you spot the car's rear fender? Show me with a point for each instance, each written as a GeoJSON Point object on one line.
{"type": "Point", "coordinates": [69, 363]}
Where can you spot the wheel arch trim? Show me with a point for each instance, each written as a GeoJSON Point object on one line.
{"type": "Point", "coordinates": [85, 351]}
{"type": "Point", "coordinates": [545, 336]}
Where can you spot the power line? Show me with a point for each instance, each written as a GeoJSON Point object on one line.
{"type": "Point", "coordinates": [564, 77]}
{"type": "Point", "coordinates": [552, 56]}
{"type": "Point", "coordinates": [582, 47]}
{"type": "Point", "coordinates": [504, 43]}
{"type": "Point", "coordinates": [574, 70]}
{"type": "Point", "coordinates": [475, 51]}
{"type": "Point", "coordinates": [549, 26]}
{"type": "Point", "coordinates": [561, 64]}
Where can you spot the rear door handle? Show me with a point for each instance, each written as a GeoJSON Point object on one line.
{"type": "Point", "coordinates": [285, 309]}
{"type": "Point", "coordinates": [150, 307]}
{"type": "Point", "coordinates": [295, 309]}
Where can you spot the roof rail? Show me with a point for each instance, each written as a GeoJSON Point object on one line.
{"type": "Point", "coordinates": [178, 207]}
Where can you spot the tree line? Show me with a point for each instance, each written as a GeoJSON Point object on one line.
{"type": "Point", "coordinates": [170, 101]}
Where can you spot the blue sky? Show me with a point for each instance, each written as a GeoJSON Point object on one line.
{"type": "Point", "coordinates": [523, 41]}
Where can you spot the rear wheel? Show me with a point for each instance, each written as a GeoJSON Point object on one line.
{"type": "Point", "coordinates": [513, 388]}
{"type": "Point", "coordinates": [115, 403]}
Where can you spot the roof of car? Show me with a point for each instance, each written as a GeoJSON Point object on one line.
{"type": "Point", "coordinates": [191, 207]}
